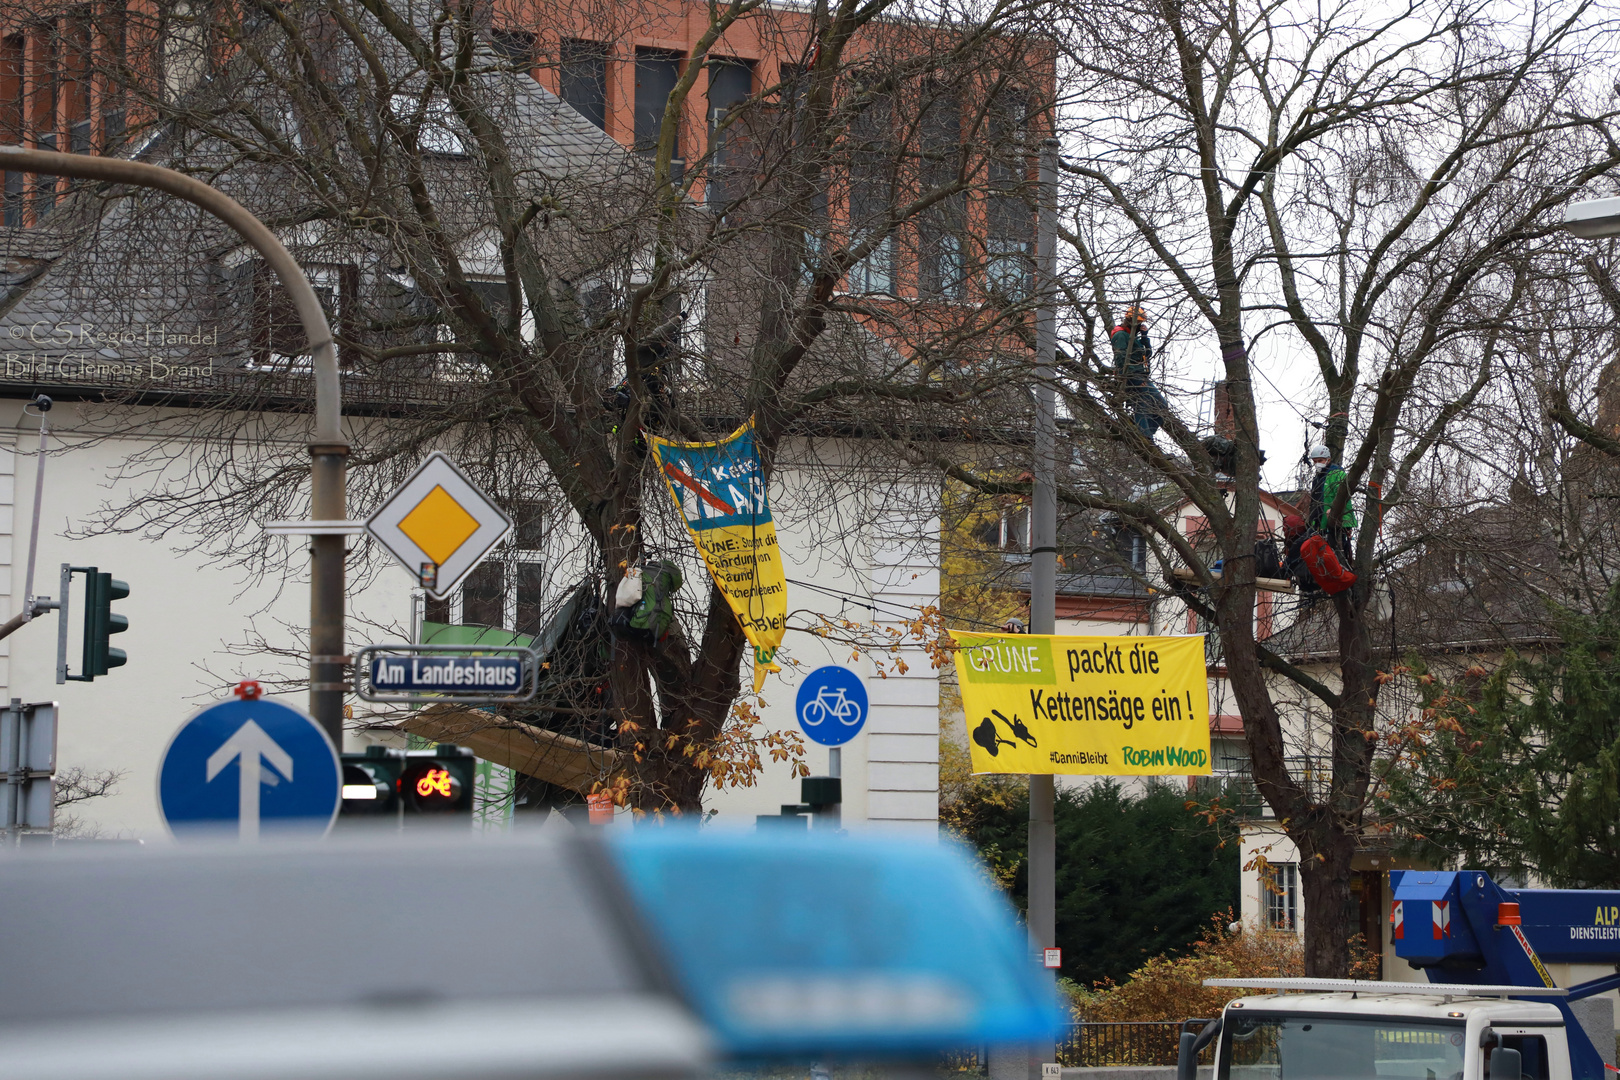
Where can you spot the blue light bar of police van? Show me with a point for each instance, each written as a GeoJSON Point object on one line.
{"type": "Point", "coordinates": [835, 944]}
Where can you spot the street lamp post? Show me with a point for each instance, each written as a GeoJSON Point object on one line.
{"type": "Point", "coordinates": [328, 449]}
{"type": "Point", "coordinates": [1593, 219]}
{"type": "Point", "coordinates": [1042, 910]}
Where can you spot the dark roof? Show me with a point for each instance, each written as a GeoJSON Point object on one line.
{"type": "Point", "coordinates": [87, 312]}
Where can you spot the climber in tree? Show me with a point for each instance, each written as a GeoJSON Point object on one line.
{"type": "Point", "coordinates": [1132, 353]}
{"type": "Point", "coordinates": [1294, 534]}
{"type": "Point", "coordinates": [1327, 477]}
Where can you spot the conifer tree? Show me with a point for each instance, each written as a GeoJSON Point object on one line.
{"type": "Point", "coordinates": [1517, 769]}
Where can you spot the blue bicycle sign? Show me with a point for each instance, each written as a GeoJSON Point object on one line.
{"type": "Point", "coordinates": [828, 706]}
{"type": "Point", "coordinates": [832, 705]}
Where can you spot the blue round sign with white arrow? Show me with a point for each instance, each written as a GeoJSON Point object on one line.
{"type": "Point", "coordinates": [831, 705]}
{"type": "Point", "coordinates": [247, 768]}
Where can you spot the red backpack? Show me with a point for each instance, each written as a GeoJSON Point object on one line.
{"type": "Point", "coordinates": [1324, 565]}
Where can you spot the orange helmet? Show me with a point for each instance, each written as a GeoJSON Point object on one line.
{"type": "Point", "coordinates": [1134, 313]}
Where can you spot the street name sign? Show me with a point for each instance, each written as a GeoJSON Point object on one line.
{"type": "Point", "coordinates": [247, 768]}
{"type": "Point", "coordinates": [831, 705]}
{"type": "Point", "coordinates": [439, 525]}
{"type": "Point", "coordinates": [430, 674]}
{"type": "Point", "coordinates": [421, 674]}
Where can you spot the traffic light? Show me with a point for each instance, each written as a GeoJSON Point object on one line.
{"type": "Point", "coordinates": [438, 781]}
{"type": "Point", "coordinates": [387, 783]}
{"type": "Point", "coordinates": [100, 623]}
{"type": "Point", "coordinates": [822, 797]}
{"type": "Point", "coordinates": [371, 782]}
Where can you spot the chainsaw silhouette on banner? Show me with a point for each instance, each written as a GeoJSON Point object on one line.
{"type": "Point", "coordinates": [987, 736]}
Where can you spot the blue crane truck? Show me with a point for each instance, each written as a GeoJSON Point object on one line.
{"type": "Point", "coordinates": [1491, 1010]}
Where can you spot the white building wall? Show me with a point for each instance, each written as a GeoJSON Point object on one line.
{"type": "Point", "coordinates": [10, 549]}
{"type": "Point", "coordinates": [1276, 848]}
{"type": "Point", "coordinates": [184, 615]}
{"type": "Point", "coordinates": [872, 559]}
{"type": "Point", "coordinates": [823, 556]}
{"type": "Point", "coordinates": [1100, 627]}
{"type": "Point", "coordinates": [189, 618]}
{"type": "Point", "coordinates": [903, 744]}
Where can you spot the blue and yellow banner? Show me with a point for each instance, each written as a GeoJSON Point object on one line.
{"type": "Point", "coordinates": [720, 490]}
{"type": "Point", "coordinates": [1096, 706]}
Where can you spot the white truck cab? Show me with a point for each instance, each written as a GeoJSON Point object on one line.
{"type": "Point", "coordinates": [1382, 1031]}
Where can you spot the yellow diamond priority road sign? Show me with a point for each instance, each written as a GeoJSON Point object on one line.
{"type": "Point", "coordinates": [439, 525]}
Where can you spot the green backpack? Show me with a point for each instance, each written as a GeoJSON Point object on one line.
{"type": "Point", "coordinates": [648, 620]}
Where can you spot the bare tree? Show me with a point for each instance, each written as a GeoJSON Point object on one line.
{"type": "Point", "coordinates": [1344, 200]}
{"type": "Point", "coordinates": [75, 785]}
{"type": "Point", "coordinates": [509, 283]}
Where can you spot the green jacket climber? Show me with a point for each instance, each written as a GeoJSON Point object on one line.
{"type": "Point", "coordinates": [1326, 480]}
{"type": "Point", "coordinates": [1132, 349]}
{"type": "Point", "coordinates": [1132, 352]}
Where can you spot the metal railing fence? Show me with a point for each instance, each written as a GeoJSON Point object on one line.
{"type": "Point", "coordinates": [1099, 1044]}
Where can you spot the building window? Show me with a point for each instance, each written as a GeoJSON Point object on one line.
{"type": "Point", "coordinates": [424, 321]}
{"type": "Point", "coordinates": [1136, 550]}
{"type": "Point", "coordinates": [1229, 757]}
{"type": "Point", "coordinates": [730, 84]}
{"type": "Point", "coordinates": [817, 228]}
{"type": "Point", "coordinates": [113, 125]}
{"type": "Point", "coordinates": [1010, 218]}
{"type": "Point", "coordinates": [1011, 531]}
{"type": "Point", "coordinates": [509, 597]}
{"type": "Point", "coordinates": [871, 196]}
{"type": "Point", "coordinates": [1281, 882]}
{"type": "Point", "coordinates": [875, 273]}
{"type": "Point", "coordinates": [582, 79]}
{"type": "Point", "coordinates": [12, 102]}
{"type": "Point", "coordinates": [76, 81]}
{"type": "Point", "coordinates": [44, 184]}
{"type": "Point", "coordinates": [279, 342]}
{"type": "Point", "coordinates": [657, 71]}
{"type": "Point", "coordinates": [515, 47]}
{"type": "Point", "coordinates": [43, 78]}
{"type": "Point", "coordinates": [1009, 271]}
{"type": "Point", "coordinates": [483, 596]}
{"type": "Point", "coordinates": [529, 599]}
{"type": "Point", "coordinates": [435, 124]}
{"type": "Point", "coordinates": [495, 297]}
{"type": "Point", "coordinates": [114, 26]}
{"type": "Point", "coordinates": [16, 188]}
{"type": "Point", "coordinates": [528, 533]}
{"type": "Point", "coordinates": [508, 591]}
{"type": "Point", "coordinates": [791, 90]}
{"type": "Point", "coordinates": [941, 271]}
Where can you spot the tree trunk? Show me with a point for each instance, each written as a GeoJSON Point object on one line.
{"type": "Point", "coordinates": [1324, 883]}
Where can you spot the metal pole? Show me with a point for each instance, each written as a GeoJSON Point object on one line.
{"type": "Point", "coordinates": [35, 605]}
{"type": "Point", "coordinates": [11, 768]}
{"type": "Point", "coordinates": [1043, 559]}
{"type": "Point", "coordinates": [328, 448]}
{"type": "Point", "coordinates": [66, 585]}
{"type": "Point", "coordinates": [39, 494]}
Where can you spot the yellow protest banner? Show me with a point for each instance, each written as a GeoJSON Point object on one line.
{"type": "Point", "coordinates": [720, 491]}
{"type": "Point", "coordinates": [1098, 706]}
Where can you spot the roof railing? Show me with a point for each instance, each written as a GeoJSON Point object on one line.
{"type": "Point", "coordinates": [1371, 986]}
